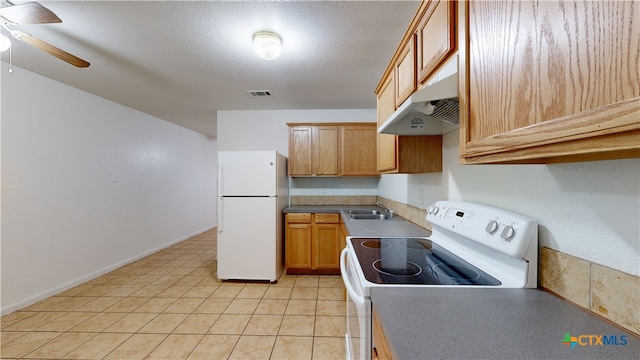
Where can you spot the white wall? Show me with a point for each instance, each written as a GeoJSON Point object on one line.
{"type": "Point", "coordinates": [268, 130]}
{"type": "Point", "coordinates": [329, 186]}
{"type": "Point", "coordinates": [64, 219]}
{"type": "Point", "coordinates": [588, 209]}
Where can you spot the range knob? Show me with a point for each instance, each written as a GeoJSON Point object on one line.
{"type": "Point", "coordinates": [429, 209]}
{"type": "Point", "coordinates": [508, 233]}
{"type": "Point", "coordinates": [492, 227]}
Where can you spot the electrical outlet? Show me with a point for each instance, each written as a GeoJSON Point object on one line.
{"type": "Point", "coordinates": [115, 178]}
{"type": "Point", "coordinates": [420, 198]}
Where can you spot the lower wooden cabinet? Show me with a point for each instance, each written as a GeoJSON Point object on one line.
{"type": "Point", "coordinates": [325, 242]}
{"type": "Point", "coordinates": [343, 235]}
{"type": "Point", "coordinates": [344, 232]}
{"type": "Point", "coordinates": [313, 243]}
{"type": "Point", "coordinates": [298, 244]}
{"type": "Point", "coordinates": [381, 349]}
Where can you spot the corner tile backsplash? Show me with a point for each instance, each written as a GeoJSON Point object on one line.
{"type": "Point", "coordinates": [565, 275]}
{"type": "Point", "coordinates": [609, 293]}
{"type": "Point", "coordinates": [616, 296]}
{"type": "Point", "coordinates": [414, 214]}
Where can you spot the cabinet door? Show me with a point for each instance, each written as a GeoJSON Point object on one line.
{"type": "Point", "coordinates": [326, 246]}
{"type": "Point", "coordinates": [549, 81]}
{"type": "Point", "coordinates": [298, 241]}
{"type": "Point", "coordinates": [358, 149]}
{"type": "Point", "coordinates": [298, 246]}
{"type": "Point", "coordinates": [435, 37]}
{"type": "Point", "coordinates": [325, 150]}
{"type": "Point", "coordinates": [419, 154]}
{"type": "Point", "coordinates": [300, 150]}
{"type": "Point", "coordinates": [386, 154]}
{"type": "Point", "coordinates": [405, 72]}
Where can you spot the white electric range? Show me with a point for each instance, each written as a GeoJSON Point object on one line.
{"type": "Point", "coordinates": [471, 245]}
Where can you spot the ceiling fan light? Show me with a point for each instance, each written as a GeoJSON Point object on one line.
{"type": "Point", "coordinates": [5, 43]}
{"type": "Point", "coordinates": [267, 45]}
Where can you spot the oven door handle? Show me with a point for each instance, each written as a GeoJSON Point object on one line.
{"type": "Point", "coordinates": [343, 272]}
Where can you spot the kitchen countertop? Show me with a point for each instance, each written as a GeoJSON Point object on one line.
{"type": "Point", "coordinates": [456, 323]}
{"type": "Point", "coordinates": [395, 227]}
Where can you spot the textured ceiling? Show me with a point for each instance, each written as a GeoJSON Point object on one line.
{"type": "Point", "coordinates": [181, 61]}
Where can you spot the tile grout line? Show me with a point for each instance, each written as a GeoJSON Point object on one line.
{"type": "Point", "coordinates": [133, 280]}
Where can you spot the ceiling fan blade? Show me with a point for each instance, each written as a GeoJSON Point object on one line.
{"type": "Point", "coordinates": [29, 13]}
{"type": "Point", "coordinates": [49, 49]}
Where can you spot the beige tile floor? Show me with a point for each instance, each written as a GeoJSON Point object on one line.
{"type": "Point", "coordinates": [170, 305]}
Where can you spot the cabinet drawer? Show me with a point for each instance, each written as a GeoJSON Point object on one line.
{"type": "Point", "coordinates": [327, 219]}
{"type": "Point", "coordinates": [299, 218]}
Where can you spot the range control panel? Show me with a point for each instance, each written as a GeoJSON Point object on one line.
{"type": "Point", "coordinates": [502, 230]}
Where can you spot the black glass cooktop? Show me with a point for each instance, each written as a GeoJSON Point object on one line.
{"type": "Point", "coordinates": [415, 261]}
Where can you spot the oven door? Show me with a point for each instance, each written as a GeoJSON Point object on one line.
{"type": "Point", "coordinates": [358, 336]}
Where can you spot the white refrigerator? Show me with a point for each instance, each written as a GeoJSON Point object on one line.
{"type": "Point", "coordinates": [253, 190]}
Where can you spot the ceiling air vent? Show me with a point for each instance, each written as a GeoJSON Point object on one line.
{"type": "Point", "coordinates": [259, 92]}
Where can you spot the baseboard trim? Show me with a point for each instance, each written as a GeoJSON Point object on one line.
{"type": "Point", "coordinates": [68, 285]}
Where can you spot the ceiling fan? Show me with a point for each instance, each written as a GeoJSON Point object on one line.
{"type": "Point", "coordinates": [33, 13]}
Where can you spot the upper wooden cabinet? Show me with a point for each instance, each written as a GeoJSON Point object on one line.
{"type": "Point", "coordinates": [313, 150]}
{"type": "Point", "coordinates": [332, 149]}
{"type": "Point", "coordinates": [300, 145]}
{"type": "Point", "coordinates": [549, 81]}
{"type": "Point", "coordinates": [325, 149]}
{"type": "Point", "coordinates": [435, 37]}
{"type": "Point", "coordinates": [405, 71]}
{"type": "Point", "coordinates": [404, 154]}
{"type": "Point", "coordinates": [358, 150]}
{"type": "Point", "coordinates": [428, 44]}
{"type": "Point", "coordinates": [386, 152]}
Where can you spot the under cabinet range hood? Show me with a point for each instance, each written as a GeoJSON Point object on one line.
{"type": "Point", "coordinates": [432, 110]}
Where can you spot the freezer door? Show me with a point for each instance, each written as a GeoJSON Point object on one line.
{"type": "Point", "coordinates": [247, 173]}
{"type": "Point", "coordinates": [249, 239]}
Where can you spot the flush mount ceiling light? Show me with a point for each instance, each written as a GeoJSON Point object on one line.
{"type": "Point", "coordinates": [267, 45]}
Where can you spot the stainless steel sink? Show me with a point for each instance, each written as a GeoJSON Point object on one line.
{"type": "Point", "coordinates": [367, 215]}
{"type": "Point", "coordinates": [364, 212]}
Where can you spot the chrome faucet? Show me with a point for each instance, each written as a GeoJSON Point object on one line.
{"type": "Point", "coordinates": [390, 213]}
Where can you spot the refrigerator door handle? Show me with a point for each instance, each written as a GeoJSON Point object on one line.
{"type": "Point", "coordinates": [220, 197]}
{"type": "Point", "coordinates": [221, 180]}
{"type": "Point", "coordinates": [220, 214]}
